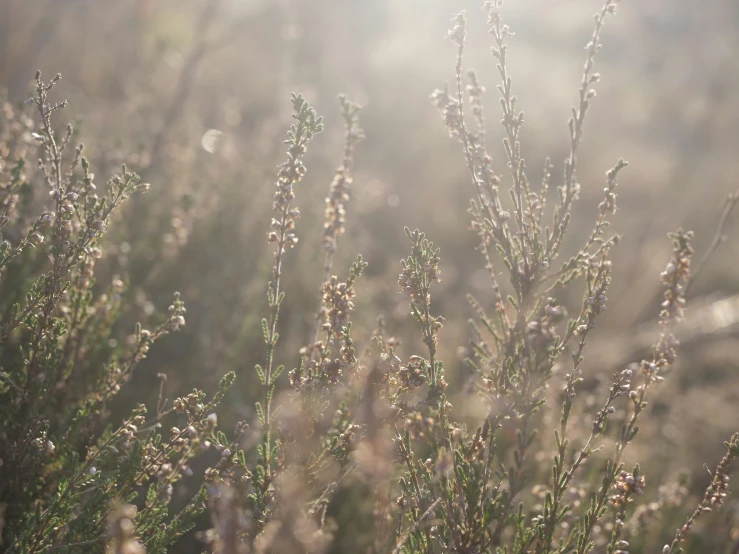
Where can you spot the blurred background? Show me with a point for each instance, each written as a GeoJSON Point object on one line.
{"type": "Point", "coordinates": [194, 95]}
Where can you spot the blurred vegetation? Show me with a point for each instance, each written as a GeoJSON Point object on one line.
{"type": "Point", "coordinates": [193, 95]}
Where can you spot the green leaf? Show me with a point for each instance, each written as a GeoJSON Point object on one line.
{"type": "Point", "coordinates": [260, 373]}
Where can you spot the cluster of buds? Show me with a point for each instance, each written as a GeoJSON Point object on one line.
{"type": "Point", "coordinates": [97, 227]}
{"type": "Point", "coordinates": [338, 194]}
{"type": "Point", "coordinates": [179, 436]}
{"type": "Point", "coordinates": [291, 172]}
{"type": "Point", "coordinates": [718, 494]}
{"type": "Point", "coordinates": [128, 434]}
{"type": "Point", "coordinates": [297, 378]}
{"type": "Point", "coordinates": [192, 404]}
{"type": "Point", "coordinates": [37, 438]}
{"type": "Point", "coordinates": [650, 370]}
{"type": "Point", "coordinates": [676, 278]}
{"type": "Point", "coordinates": [413, 375]}
{"type": "Point", "coordinates": [282, 230]}
{"type": "Point", "coordinates": [626, 485]}
{"type": "Point", "coordinates": [718, 488]}
{"type": "Point", "coordinates": [331, 370]}
{"type": "Point", "coordinates": [143, 339]}
{"type": "Point", "coordinates": [115, 376]}
{"type": "Point", "coordinates": [413, 278]}
{"type": "Point", "coordinates": [621, 545]}
{"type": "Point", "coordinates": [66, 201]}
{"type": "Point", "coordinates": [350, 435]}
{"type": "Point", "coordinates": [65, 209]}
{"type": "Point", "coordinates": [176, 313]}
{"type": "Point", "coordinates": [336, 307]}
{"type": "Point", "coordinates": [98, 211]}
{"type": "Point", "coordinates": [336, 209]}
{"type": "Point", "coordinates": [608, 205]}
{"type": "Point", "coordinates": [338, 304]}
{"type": "Point", "coordinates": [495, 19]}
{"type": "Point", "coordinates": [458, 31]}
{"type": "Point", "coordinates": [90, 189]}
{"type": "Point", "coordinates": [402, 502]}
{"type": "Point", "coordinates": [486, 173]}
{"type": "Point", "coordinates": [42, 444]}
{"type": "Point", "coordinates": [597, 302]}
{"type": "Point", "coordinates": [212, 476]}
{"type": "Point", "coordinates": [611, 6]}
{"type": "Point", "coordinates": [46, 220]}
{"type": "Point", "coordinates": [450, 111]}
{"type": "Point", "coordinates": [318, 372]}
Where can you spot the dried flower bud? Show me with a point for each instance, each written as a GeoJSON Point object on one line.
{"type": "Point", "coordinates": [47, 219]}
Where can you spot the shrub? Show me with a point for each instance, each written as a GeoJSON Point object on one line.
{"type": "Point", "coordinates": [64, 465]}
{"type": "Point", "coordinates": [497, 461]}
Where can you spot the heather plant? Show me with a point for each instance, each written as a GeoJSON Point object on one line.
{"type": "Point", "coordinates": [64, 465]}
{"type": "Point", "coordinates": [503, 456]}
{"type": "Point", "coordinates": [447, 483]}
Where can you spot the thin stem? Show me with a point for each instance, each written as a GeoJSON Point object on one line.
{"type": "Point", "coordinates": [585, 94]}
{"type": "Point", "coordinates": [718, 238]}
